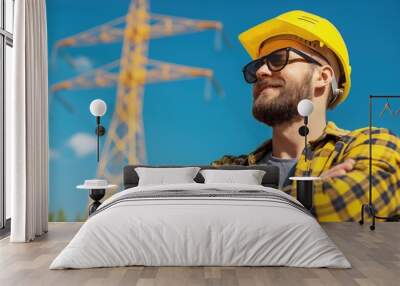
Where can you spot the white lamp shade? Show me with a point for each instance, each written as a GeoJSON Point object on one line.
{"type": "Point", "coordinates": [98, 107]}
{"type": "Point", "coordinates": [305, 107]}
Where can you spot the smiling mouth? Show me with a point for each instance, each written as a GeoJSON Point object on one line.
{"type": "Point", "coordinates": [269, 87]}
{"type": "Point", "coordinates": [264, 87]}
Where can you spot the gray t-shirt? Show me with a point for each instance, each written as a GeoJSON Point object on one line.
{"type": "Point", "coordinates": [286, 167]}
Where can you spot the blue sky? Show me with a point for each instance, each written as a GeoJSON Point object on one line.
{"type": "Point", "coordinates": [181, 125]}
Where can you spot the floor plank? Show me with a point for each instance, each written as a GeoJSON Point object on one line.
{"type": "Point", "coordinates": [375, 257]}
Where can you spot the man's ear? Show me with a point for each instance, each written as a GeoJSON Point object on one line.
{"type": "Point", "coordinates": [324, 76]}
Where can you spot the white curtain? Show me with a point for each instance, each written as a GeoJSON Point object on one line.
{"type": "Point", "coordinates": [27, 124]}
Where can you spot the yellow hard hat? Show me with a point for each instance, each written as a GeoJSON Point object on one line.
{"type": "Point", "coordinates": [309, 27]}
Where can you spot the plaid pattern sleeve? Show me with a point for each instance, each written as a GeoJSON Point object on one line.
{"type": "Point", "coordinates": [245, 160]}
{"type": "Point", "coordinates": [340, 198]}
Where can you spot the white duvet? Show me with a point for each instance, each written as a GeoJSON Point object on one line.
{"type": "Point", "coordinates": [200, 231]}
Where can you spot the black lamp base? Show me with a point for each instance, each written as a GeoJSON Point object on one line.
{"type": "Point", "coordinates": [305, 193]}
{"type": "Point", "coordinates": [96, 195]}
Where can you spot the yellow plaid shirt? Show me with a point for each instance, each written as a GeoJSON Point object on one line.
{"type": "Point", "coordinates": [340, 198]}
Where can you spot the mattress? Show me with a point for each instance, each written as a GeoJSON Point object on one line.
{"type": "Point", "coordinates": [201, 225]}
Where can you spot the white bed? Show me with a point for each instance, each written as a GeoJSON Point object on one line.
{"type": "Point", "coordinates": [183, 230]}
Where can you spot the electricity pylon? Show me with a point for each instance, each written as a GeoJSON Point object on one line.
{"type": "Point", "coordinates": [125, 143]}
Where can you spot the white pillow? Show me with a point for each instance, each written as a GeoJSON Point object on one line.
{"type": "Point", "coordinates": [248, 177]}
{"type": "Point", "coordinates": [161, 176]}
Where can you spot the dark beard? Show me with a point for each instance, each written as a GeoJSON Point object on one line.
{"type": "Point", "coordinates": [282, 109]}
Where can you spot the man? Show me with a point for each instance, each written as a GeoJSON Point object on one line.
{"type": "Point", "coordinates": [298, 55]}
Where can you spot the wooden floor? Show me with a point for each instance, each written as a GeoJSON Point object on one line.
{"type": "Point", "coordinates": [375, 257]}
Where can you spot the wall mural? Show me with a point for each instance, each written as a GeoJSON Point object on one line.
{"type": "Point", "coordinates": [170, 74]}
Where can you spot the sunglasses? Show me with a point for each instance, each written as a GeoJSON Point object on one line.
{"type": "Point", "coordinates": [276, 61]}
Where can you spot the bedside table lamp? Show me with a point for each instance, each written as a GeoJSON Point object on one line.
{"type": "Point", "coordinates": [98, 108]}
{"type": "Point", "coordinates": [304, 185]}
{"type": "Point", "coordinates": [97, 187]}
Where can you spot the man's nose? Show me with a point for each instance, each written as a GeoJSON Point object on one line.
{"type": "Point", "coordinates": [263, 72]}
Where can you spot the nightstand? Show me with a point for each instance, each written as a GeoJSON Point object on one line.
{"type": "Point", "coordinates": [97, 190]}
